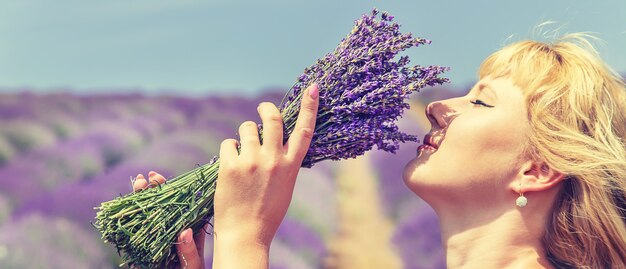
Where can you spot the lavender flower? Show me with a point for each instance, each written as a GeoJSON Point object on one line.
{"type": "Point", "coordinates": [362, 94]}
{"type": "Point", "coordinates": [25, 134]}
{"type": "Point", "coordinates": [6, 151]}
{"type": "Point", "coordinates": [5, 209]}
{"type": "Point", "coordinates": [37, 241]}
{"type": "Point", "coordinates": [418, 239]}
{"type": "Point", "coordinates": [363, 91]}
{"type": "Point", "coordinates": [302, 238]}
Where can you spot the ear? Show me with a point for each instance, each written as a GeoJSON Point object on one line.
{"type": "Point", "coordinates": [536, 176]}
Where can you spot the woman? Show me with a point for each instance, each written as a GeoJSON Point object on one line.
{"type": "Point", "coordinates": [528, 170]}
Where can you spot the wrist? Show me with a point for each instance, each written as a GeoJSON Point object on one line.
{"type": "Point", "coordinates": [260, 233]}
{"type": "Point", "coordinates": [240, 249]}
{"type": "Point", "coordinates": [240, 236]}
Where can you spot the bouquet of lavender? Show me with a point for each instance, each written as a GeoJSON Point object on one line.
{"type": "Point", "coordinates": [363, 87]}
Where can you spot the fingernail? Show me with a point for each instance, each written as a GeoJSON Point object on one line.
{"type": "Point", "coordinates": [314, 91]}
{"type": "Point", "coordinates": [181, 237]}
{"type": "Point", "coordinates": [260, 105]}
{"type": "Point", "coordinates": [187, 236]}
{"type": "Point", "coordinates": [152, 173]}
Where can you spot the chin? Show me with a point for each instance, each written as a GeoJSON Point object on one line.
{"type": "Point", "coordinates": [410, 175]}
{"type": "Point", "coordinates": [422, 180]}
{"type": "Point", "coordinates": [419, 182]}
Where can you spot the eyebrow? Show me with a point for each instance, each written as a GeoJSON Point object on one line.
{"type": "Point", "coordinates": [487, 86]}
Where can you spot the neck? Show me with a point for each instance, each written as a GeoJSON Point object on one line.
{"type": "Point", "coordinates": [496, 240]}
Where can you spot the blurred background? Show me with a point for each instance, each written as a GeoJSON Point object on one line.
{"type": "Point", "coordinates": [92, 93]}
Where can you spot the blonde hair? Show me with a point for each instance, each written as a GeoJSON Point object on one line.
{"type": "Point", "coordinates": [577, 115]}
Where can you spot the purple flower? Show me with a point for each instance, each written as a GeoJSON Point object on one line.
{"type": "Point", "coordinates": [418, 239]}
{"type": "Point", "coordinates": [24, 135]}
{"type": "Point", "coordinates": [302, 238]}
{"type": "Point", "coordinates": [35, 240]}
{"type": "Point", "coordinates": [363, 89]}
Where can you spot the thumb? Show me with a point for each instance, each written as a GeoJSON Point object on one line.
{"type": "Point", "coordinates": [187, 251]}
{"type": "Point", "coordinates": [300, 140]}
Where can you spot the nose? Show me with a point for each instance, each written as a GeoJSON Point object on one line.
{"type": "Point", "coordinates": [440, 113]}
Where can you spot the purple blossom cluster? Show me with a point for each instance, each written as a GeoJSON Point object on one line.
{"type": "Point", "coordinates": [418, 238]}
{"type": "Point", "coordinates": [363, 88]}
{"type": "Point", "coordinates": [40, 242]}
{"type": "Point", "coordinates": [304, 239]}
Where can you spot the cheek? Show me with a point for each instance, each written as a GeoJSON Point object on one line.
{"type": "Point", "coordinates": [481, 150]}
{"type": "Point", "coordinates": [471, 152]}
{"type": "Point", "coordinates": [482, 140]}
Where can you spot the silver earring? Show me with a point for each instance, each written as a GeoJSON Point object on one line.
{"type": "Point", "coordinates": [521, 200]}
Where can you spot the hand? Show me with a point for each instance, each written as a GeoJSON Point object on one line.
{"type": "Point", "coordinates": [190, 248]}
{"type": "Point", "coordinates": [254, 187]}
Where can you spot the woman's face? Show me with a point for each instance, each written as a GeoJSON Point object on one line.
{"type": "Point", "coordinates": [476, 141]}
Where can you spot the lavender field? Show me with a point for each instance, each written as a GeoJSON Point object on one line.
{"type": "Point", "coordinates": [62, 154]}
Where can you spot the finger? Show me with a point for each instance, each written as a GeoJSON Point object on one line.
{"type": "Point", "coordinates": [155, 179]}
{"type": "Point", "coordinates": [249, 137]}
{"type": "Point", "coordinates": [300, 138]}
{"type": "Point", "coordinates": [140, 183]}
{"type": "Point", "coordinates": [272, 126]}
{"type": "Point", "coordinates": [199, 240]}
{"type": "Point", "coordinates": [187, 252]}
{"type": "Point", "coordinates": [228, 150]}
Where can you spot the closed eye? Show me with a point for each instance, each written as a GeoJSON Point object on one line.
{"type": "Point", "coordinates": [479, 102]}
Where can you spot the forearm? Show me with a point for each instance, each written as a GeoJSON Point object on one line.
{"type": "Point", "coordinates": [239, 251]}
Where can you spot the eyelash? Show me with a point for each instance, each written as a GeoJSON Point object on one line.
{"type": "Point", "coordinates": [479, 102]}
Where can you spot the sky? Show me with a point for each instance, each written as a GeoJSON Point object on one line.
{"type": "Point", "coordinates": [200, 48]}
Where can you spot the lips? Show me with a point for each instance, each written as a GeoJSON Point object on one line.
{"type": "Point", "coordinates": [429, 140]}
